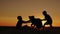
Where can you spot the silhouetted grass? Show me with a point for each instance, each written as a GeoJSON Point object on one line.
{"type": "Point", "coordinates": [27, 30]}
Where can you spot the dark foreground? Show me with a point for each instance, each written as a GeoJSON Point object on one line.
{"type": "Point", "coordinates": [28, 30]}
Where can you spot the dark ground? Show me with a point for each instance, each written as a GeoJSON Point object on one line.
{"type": "Point", "coordinates": [28, 30]}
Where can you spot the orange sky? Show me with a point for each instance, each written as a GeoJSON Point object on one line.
{"type": "Point", "coordinates": [10, 9]}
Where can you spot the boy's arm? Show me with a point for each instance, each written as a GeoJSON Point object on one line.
{"type": "Point", "coordinates": [26, 21]}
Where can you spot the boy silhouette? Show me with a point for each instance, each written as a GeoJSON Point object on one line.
{"type": "Point", "coordinates": [19, 23]}
{"type": "Point", "coordinates": [48, 18]}
{"type": "Point", "coordinates": [35, 21]}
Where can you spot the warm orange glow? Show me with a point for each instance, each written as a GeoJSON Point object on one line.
{"type": "Point", "coordinates": [11, 9]}
{"type": "Point", "coordinates": [8, 21]}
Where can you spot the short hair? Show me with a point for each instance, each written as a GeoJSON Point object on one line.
{"type": "Point", "coordinates": [19, 17]}
{"type": "Point", "coordinates": [31, 16]}
{"type": "Point", "coordinates": [44, 12]}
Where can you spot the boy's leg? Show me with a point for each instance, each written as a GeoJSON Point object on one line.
{"type": "Point", "coordinates": [51, 26]}
{"type": "Point", "coordinates": [44, 25]}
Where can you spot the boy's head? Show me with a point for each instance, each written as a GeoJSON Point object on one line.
{"type": "Point", "coordinates": [19, 18]}
{"type": "Point", "coordinates": [31, 17]}
{"type": "Point", "coordinates": [44, 12]}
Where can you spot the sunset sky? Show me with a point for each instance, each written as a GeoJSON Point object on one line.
{"type": "Point", "coordinates": [10, 9]}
